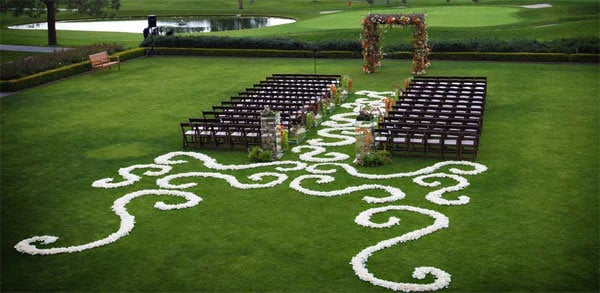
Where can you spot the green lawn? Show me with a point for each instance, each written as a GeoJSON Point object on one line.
{"type": "Point", "coordinates": [531, 224]}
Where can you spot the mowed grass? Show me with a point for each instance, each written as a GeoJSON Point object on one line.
{"type": "Point", "coordinates": [531, 224]}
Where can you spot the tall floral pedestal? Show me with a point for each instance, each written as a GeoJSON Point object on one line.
{"type": "Point", "coordinates": [270, 132]}
{"type": "Point", "coordinates": [364, 140]}
{"type": "Point", "coordinates": [311, 120]}
{"type": "Point", "coordinates": [297, 134]}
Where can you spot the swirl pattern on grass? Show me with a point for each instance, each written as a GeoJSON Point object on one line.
{"type": "Point", "coordinates": [321, 166]}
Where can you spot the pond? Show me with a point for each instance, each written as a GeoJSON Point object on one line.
{"type": "Point", "coordinates": [188, 24]}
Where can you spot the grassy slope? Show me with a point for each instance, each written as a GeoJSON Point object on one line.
{"type": "Point", "coordinates": [531, 224]}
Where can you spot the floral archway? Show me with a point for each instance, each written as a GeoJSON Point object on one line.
{"type": "Point", "coordinates": [371, 41]}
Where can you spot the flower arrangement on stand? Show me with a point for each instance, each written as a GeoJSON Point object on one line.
{"type": "Point", "coordinates": [271, 133]}
{"type": "Point", "coordinates": [285, 137]}
{"type": "Point", "coordinates": [363, 141]}
{"type": "Point", "coordinates": [389, 104]}
{"type": "Point", "coordinates": [297, 134]}
{"type": "Point", "coordinates": [317, 120]}
{"type": "Point", "coordinates": [347, 83]}
{"type": "Point", "coordinates": [407, 83]}
{"type": "Point", "coordinates": [399, 90]}
{"type": "Point", "coordinates": [327, 105]}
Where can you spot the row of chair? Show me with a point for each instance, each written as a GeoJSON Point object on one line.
{"type": "Point", "coordinates": [220, 134]}
{"type": "Point", "coordinates": [442, 143]}
{"type": "Point", "coordinates": [237, 122]}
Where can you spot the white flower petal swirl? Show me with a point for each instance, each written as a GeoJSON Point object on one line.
{"type": "Point", "coordinates": [347, 137]}
{"type": "Point", "coordinates": [211, 163]}
{"type": "Point", "coordinates": [127, 222]}
{"type": "Point", "coordinates": [478, 168]}
{"type": "Point", "coordinates": [129, 177]}
{"type": "Point", "coordinates": [395, 193]}
{"type": "Point", "coordinates": [359, 262]}
{"type": "Point", "coordinates": [165, 181]}
{"type": "Point", "coordinates": [317, 150]}
{"type": "Point", "coordinates": [436, 196]}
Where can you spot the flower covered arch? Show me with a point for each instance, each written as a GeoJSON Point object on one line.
{"type": "Point", "coordinates": [371, 41]}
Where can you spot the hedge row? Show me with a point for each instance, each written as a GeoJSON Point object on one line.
{"type": "Point", "coordinates": [587, 45]}
{"type": "Point", "coordinates": [218, 42]}
{"type": "Point", "coordinates": [60, 73]}
{"type": "Point", "coordinates": [467, 56]}
{"type": "Point", "coordinates": [578, 45]}
{"type": "Point", "coordinates": [38, 63]}
{"type": "Point", "coordinates": [252, 53]}
{"type": "Point", "coordinates": [518, 57]}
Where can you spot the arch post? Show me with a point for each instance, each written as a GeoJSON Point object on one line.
{"type": "Point", "coordinates": [371, 39]}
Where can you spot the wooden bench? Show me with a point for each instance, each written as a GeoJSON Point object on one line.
{"type": "Point", "coordinates": [102, 60]}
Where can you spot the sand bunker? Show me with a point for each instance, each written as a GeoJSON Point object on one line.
{"type": "Point", "coordinates": [535, 6]}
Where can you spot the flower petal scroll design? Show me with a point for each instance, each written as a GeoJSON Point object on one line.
{"type": "Point", "coordinates": [27, 246]}
{"type": "Point", "coordinates": [359, 261]}
{"type": "Point", "coordinates": [321, 167]}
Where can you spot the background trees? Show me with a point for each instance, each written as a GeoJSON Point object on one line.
{"type": "Point", "coordinates": [50, 7]}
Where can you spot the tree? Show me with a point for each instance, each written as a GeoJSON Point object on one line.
{"type": "Point", "coordinates": [36, 8]}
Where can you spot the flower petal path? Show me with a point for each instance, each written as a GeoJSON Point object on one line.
{"type": "Point", "coordinates": [320, 164]}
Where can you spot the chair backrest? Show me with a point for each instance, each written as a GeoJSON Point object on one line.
{"type": "Point", "coordinates": [99, 57]}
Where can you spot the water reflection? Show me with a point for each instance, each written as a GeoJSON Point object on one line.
{"type": "Point", "coordinates": [192, 24]}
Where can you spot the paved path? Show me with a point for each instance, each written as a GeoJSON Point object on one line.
{"type": "Point", "coordinates": [31, 48]}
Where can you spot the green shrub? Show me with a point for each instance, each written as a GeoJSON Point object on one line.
{"type": "Point", "coordinates": [586, 45]}
{"type": "Point", "coordinates": [218, 42]}
{"type": "Point", "coordinates": [38, 63]}
{"type": "Point", "coordinates": [59, 73]}
{"type": "Point", "coordinates": [251, 53]}
{"type": "Point", "coordinates": [376, 158]}
{"type": "Point", "coordinates": [589, 45]}
{"type": "Point", "coordinates": [525, 57]}
{"type": "Point", "coordinates": [266, 156]}
{"type": "Point", "coordinates": [256, 154]}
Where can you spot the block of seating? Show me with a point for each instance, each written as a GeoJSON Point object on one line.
{"type": "Point", "coordinates": [436, 115]}
{"type": "Point", "coordinates": [237, 121]}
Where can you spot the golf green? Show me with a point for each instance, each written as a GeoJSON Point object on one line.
{"type": "Point", "coordinates": [455, 16]}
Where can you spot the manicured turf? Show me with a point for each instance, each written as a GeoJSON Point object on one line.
{"type": "Point", "coordinates": [531, 225]}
